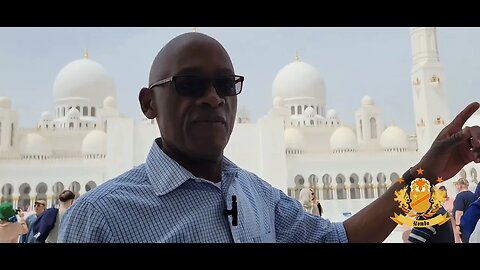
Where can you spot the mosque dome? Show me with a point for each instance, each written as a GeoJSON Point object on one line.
{"type": "Point", "coordinates": [332, 114]}
{"type": "Point", "coordinates": [73, 113]}
{"type": "Point", "coordinates": [343, 138]}
{"type": "Point", "coordinates": [46, 116]}
{"type": "Point", "coordinates": [109, 102]}
{"type": "Point", "coordinates": [95, 142]}
{"type": "Point", "coordinates": [394, 138]}
{"type": "Point", "coordinates": [85, 79]}
{"type": "Point", "coordinates": [35, 145]}
{"type": "Point", "coordinates": [5, 103]}
{"type": "Point", "coordinates": [368, 101]}
{"type": "Point", "coordinates": [309, 112]}
{"type": "Point", "coordinates": [298, 79]}
{"type": "Point", "coordinates": [294, 139]}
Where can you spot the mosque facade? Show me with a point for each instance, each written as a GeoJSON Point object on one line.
{"type": "Point", "coordinates": [299, 143]}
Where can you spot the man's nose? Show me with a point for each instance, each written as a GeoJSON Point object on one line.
{"type": "Point", "coordinates": [211, 98]}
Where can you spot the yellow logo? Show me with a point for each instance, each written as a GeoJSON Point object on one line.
{"type": "Point", "coordinates": [420, 201]}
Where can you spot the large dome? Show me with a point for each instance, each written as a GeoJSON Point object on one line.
{"type": "Point", "coordinates": [343, 138]}
{"type": "Point", "coordinates": [298, 79]}
{"type": "Point", "coordinates": [35, 145]}
{"type": "Point", "coordinates": [394, 138]}
{"type": "Point", "coordinates": [95, 142]}
{"type": "Point", "coordinates": [85, 79]}
{"type": "Point", "coordinates": [294, 139]}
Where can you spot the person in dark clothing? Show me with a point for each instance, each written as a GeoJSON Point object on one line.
{"type": "Point", "coordinates": [435, 234]}
{"type": "Point", "coordinates": [461, 203]}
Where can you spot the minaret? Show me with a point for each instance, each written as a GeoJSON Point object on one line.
{"type": "Point", "coordinates": [429, 88]}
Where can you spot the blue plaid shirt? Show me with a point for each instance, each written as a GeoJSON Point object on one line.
{"type": "Point", "coordinates": [160, 201]}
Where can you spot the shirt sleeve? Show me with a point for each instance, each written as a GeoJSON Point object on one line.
{"type": "Point", "coordinates": [294, 225]}
{"type": "Point", "coordinates": [83, 223]}
{"type": "Point", "coordinates": [475, 236]}
{"type": "Point", "coordinates": [421, 235]}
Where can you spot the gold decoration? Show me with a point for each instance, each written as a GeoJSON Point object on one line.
{"type": "Point", "coordinates": [420, 200]}
{"type": "Point", "coordinates": [416, 82]}
{"type": "Point", "coordinates": [85, 54]}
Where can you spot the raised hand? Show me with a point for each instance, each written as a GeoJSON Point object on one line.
{"type": "Point", "coordinates": [453, 148]}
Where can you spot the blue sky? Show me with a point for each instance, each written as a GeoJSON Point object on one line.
{"type": "Point", "coordinates": [353, 62]}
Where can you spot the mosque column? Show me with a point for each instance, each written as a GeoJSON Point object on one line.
{"type": "Point", "coordinates": [362, 190]}
{"type": "Point", "coordinates": [15, 199]}
{"type": "Point", "coordinates": [347, 191]}
{"type": "Point", "coordinates": [375, 190]}
{"type": "Point", "coordinates": [334, 186]}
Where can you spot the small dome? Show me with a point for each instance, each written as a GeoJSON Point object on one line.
{"type": "Point", "coordinates": [298, 79]}
{"type": "Point", "coordinates": [294, 139]}
{"type": "Point", "coordinates": [394, 138]}
{"type": "Point", "coordinates": [5, 103]}
{"type": "Point", "coordinates": [343, 138]}
{"type": "Point", "coordinates": [46, 116]}
{"type": "Point", "coordinates": [278, 102]}
{"type": "Point", "coordinates": [36, 145]}
{"type": "Point", "coordinates": [332, 114]}
{"type": "Point", "coordinates": [309, 112]}
{"type": "Point", "coordinates": [368, 101]}
{"type": "Point", "coordinates": [109, 102]}
{"type": "Point", "coordinates": [95, 142]}
{"type": "Point", "coordinates": [73, 113]}
{"type": "Point", "coordinates": [84, 79]}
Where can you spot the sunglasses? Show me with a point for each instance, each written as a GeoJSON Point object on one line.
{"type": "Point", "coordinates": [38, 204]}
{"type": "Point", "coordinates": [196, 86]}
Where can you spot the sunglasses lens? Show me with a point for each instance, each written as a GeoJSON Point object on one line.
{"type": "Point", "coordinates": [193, 86]}
{"type": "Point", "coordinates": [225, 86]}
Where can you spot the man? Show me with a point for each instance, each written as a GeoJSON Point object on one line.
{"type": "Point", "coordinates": [46, 226]}
{"type": "Point", "coordinates": [10, 229]}
{"type": "Point", "coordinates": [38, 206]}
{"type": "Point", "coordinates": [187, 191]}
{"type": "Point", "coordinates": [461, 203]}
{"type": "Point", "coordinates": [433, 234]}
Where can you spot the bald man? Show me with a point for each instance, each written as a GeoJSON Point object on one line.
{"type": "Point", "coordinates": [187, 191]}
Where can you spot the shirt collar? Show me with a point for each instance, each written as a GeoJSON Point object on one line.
{"type": "Point", "coordinates": [165, 174]}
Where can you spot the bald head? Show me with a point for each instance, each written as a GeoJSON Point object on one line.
{"type": "Point", "coordinates": [176, 50]}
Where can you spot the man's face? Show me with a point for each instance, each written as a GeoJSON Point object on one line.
{"type": "Point", "coordinates": [199, 127]}
{"type": "Point", "coordinates": [38, 207]}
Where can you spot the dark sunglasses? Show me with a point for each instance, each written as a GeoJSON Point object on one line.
{"type": "Point", "coordinates": [38, 204]}
{"type": "Point", "coordinates": [196, 86]}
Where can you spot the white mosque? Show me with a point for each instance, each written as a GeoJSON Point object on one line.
{"type": "Point", "coordinates": [299, 143]}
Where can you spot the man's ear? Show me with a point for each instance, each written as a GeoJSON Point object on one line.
{"type": "Point", "coordinates": [145, 97]}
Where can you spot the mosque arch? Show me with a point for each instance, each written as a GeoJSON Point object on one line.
{"type": "Point", "coordinates": [354, 186]}
{"type": "Point", "coordinates": [75, 188]}
{"type": "Point", "coordinates": [313, 183]}
{"type": "Point", "coordinates": [393, 177]}
{"type": "Point", "coordinates": [299, 184]}
{"type": "Point", "coordinates": [24, 199]}
{"type": "Point", "coordinates": [381, 184]}
{"type": "Point", "coordinates": [373, 128]}
{"type": "Point", "coordinates": [57, 189]}
{"type": "Point", "coordinates": [90, 185]}
{"type": "Point", "coordinates": [327, 187]}
{"type": "Point", "coordinates": [367, 179]}
{"type": "Point", "coordinates": [41, 190]}
{"type": "Point", "coordinates": [7, 191]}
{"type": "Point", "coordinates": [341, 189]}
{"type": "Point", "coordinates": [463, 173]}
{"type": "Point", "coordinates": [473, 174]}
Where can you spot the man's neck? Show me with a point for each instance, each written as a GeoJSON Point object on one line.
{"type": "Point", "coordinates": [205, 169]}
